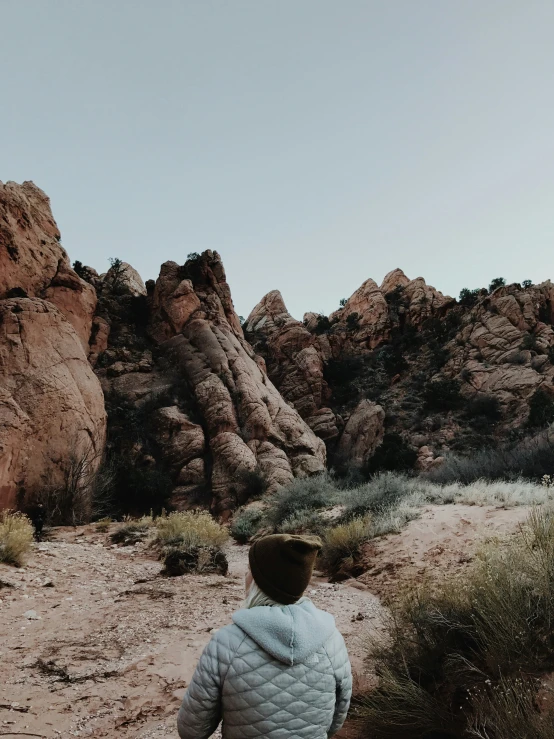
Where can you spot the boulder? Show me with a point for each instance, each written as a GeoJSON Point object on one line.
{"type": "Point", "coordinates": [362, 434]}
{"type": "Point", "coordinates": [126, 278]}
{"type": "Point", "coordinates": [51, 403]}
{"type": "Point", "coordinates": [32, 259]}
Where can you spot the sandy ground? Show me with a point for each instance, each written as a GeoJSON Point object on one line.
{"type": "Point", "coordinates": [440, 543]}
{"type": "Point", "coordinates": [95, 642]}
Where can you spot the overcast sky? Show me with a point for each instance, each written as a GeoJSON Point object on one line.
{"type": "Point", "coordinates": [313, 143]}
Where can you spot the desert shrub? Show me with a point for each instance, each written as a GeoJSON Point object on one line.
{"type": "Point", "coordinates": [323, 324]}
{"type": "Point", "coordinates": [465, 656]}
{"type": "Point", "coordinates": [191, 529]}
{"type": "Point", "coordinates": [16, 537]}
{"type": "Point", "coordinates": [179, 560]}
{"type": "Point", "coordinates": [468, 298]}
{"type": "Point", "coordinates": [103, 525]}
{"type": "Point", "coordinates": [496, 283]}
{"type": "Point", "coordinates": [483, 411]}
{"type": "Point", "coordinates": [308, 494]}
{"type": "Point", "coordinates": [342, 545]}
{"type": "Point", "coordinates": [382, 491]}
{"type": "Point", "coordinates": [303, 521]}
{"type": "Point", "coordinates": [442, 395]}
{"type": "Point", "coordinates": [84, 490]}
{"type": "Point", "coordinates": [541, 409]}
{"type": "Point", "coordinates": [254, 483]}
{"type": "Point", "coordinates": [343, 302]}
{"type": "Point", "coordinates": [191, 541]}
{"type": "Point", "coordinates": [529, 343]}
{"type": "Point", "coordinates": [530, 459]}
{"type": "Point", "coordinates": [393, 454]}
{"type": "Point", "coordinates": [246, 523]}
{"type": "Point", "coordinates": [392, 360]}
{"type": "Point", "coordinates": [352, 321]}
{"type": "Point", "coordinates": [526, 284]}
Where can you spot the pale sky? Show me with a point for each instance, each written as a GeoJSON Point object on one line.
{"type": "Point", "coordinates": [313, 143]}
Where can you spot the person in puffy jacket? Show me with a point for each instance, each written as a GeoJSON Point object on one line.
{"type": "Point", "coordinates": [281, 669]}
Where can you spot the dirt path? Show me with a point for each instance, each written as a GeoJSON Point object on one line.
{"type": "Point", "coordinates": [96, 643]}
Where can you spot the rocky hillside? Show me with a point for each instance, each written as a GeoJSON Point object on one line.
{"type": "Point", "coordinates": [184, 406]}
{"type": "Point", "coordinates": [402, 368]}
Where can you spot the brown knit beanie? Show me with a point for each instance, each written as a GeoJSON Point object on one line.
{"type": "Point", "coordinates": [282, 564]}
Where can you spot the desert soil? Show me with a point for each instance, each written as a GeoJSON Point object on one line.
{"type": "Point", "coordinates": [96, 642]}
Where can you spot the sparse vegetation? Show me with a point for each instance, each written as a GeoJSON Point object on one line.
{"type": "Point", "coordinates": [132, 531]}
{"type": "Point", "coordinates": [342, 546]}
{"type": "Point", "coordinates": [308, 494]}
{"type": "Point", "coordinates": [468, 298]}
{"type": "Point", "coordinates": [496, 283]}
{"type": "Point", "coordinates": [541, 409]}
{"type": "Point", "coordinates": [323, 324]}
{"type": "Point", "coordinates": [16, 537]}
{"type": "Point", "coordinates": [466, 658]}
{"type": "Point", "coordinates": [483, 411]}
{"type": "Point", "coordinates": [191, 541]}
{"type": "Point", "coordinates": [527, 284]}
{"type": "Point", "coordinates": [246, 522]}
{"type": "Point", "coordinates": [529, 460]}
{"type": "Point", "coordinates": [352, 320]}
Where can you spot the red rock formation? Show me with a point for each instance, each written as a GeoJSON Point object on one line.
{"type": "Point", "coordinates": [294, 361]}
{"type": "Point", "coordinates": [51, 403]}
{"type": "Point", "coordinates": [32, 259]}
{"type": "Point", "coordinates": [246, 422]}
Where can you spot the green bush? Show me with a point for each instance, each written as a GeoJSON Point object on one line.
{"type": "Point", "coordinates": [381, 492]}
{"type": "Point", "coordinates": [246, 522]}
{"type": "Point", "coordinates": [541, 409]}
{"type": "Point", "coordinates": [529, 343]}
{"type": "Point", "coordinates": [496, 283]}
{"type": "Point", "coordinates": [352, 321]}
{"type": "Point", "coordinates": [307, 494]}
{"type": "Point", "coordinates": [323, 324]}
{"type": "Point", "coordinates": [465, 659]}
{"type": "Point", "coordinates": [254, 483]}
{"type": "Point", "coordinates": [468, 298]}
{"type": "Point", "coordinates": [526, 284]}
{"type": "Point", "coordinates": [304, 521]}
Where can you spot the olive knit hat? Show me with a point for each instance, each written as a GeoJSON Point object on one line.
{"type": "Point", "coordinates": [282, 564]}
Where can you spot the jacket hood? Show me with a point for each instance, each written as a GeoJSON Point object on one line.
{"type": "Point", "coordinates": [291, 634]}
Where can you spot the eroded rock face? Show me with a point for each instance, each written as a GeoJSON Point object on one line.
{"type": "Point", "coordinates": [247, 424]}
{"type": "Point", "coordinates": [51, 403]}
{"type": "Point", "coordinates": [362, 434]}
{"type": "Point", "coordinates": [126, 279]}
{"type": "Point", "coordinates": [32, 259]}
{"type": "Point", "coordinates": [294, 361]}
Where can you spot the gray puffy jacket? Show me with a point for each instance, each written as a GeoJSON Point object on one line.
{"type": "Point", "coordinates": [276, 671]}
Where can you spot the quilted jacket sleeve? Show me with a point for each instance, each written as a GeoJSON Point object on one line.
{"type": "Point", "coordinates": [200, 711]}
{"type": "Point", "coordinates": [336, 651]}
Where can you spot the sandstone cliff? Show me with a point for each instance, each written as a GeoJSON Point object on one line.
{"type": "Point", "coordinates": [32, 261]}
{"type": "Point", "coordinates": [217, 421]}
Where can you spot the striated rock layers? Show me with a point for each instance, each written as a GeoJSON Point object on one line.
{"type": "Point", "coordinates": [51, 403]}
{"type": "Point", "coordinates": [32, 262]}
{"type": "Point", "coordinates": [247, 425]}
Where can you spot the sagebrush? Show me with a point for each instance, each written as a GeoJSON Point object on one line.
{"type": "Point", "coordinates": [16, 537]}
{"type": "Point", "coordinates": [465, 658]}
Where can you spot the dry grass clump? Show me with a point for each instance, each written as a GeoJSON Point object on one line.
{"type": "Point", "coordinates": [191, 541]}
{"type": "Point", "coordinates": [190, 529]}
{"type": "Point", "coordinates": [342, 546]}
{"type": "Point", "coordinates": [16, 537]}
{"type": "Point", "coordinates": [465, 660]}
